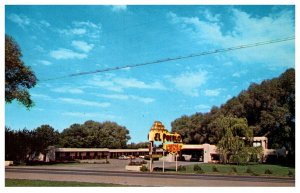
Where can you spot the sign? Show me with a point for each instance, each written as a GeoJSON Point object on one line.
{"type": "Point", "coordinates": [173, 148]}
{"type": "Point", "coordinates": [159, 133]}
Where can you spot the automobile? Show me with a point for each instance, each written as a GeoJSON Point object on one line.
{"type": "Point", "coordinates": [123, 157]}
{"type": "Point", "coordinates": [131, 157]}
{"type": "Point", "coordinates": [142, 156]}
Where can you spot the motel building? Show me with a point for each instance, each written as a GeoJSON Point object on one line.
{"type": "Point", "coordinates": [206, 153]}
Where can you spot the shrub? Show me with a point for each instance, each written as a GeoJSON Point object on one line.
{"type": "Point", "coordinates": [198, 169]}
{"type": "Point", "coordinates": [215, 169]}
{"type": "Point", "coordinates": [181, 168]}
{"type": "Point", "coordinates": [268, 171]}
{"type": "Point", "coordinates": [144, 169]}
{"type": "Point", "coordinates": [291, 173]}
{"type": "Point", "coordinates": [233, 170]}
{"type": "Point", "coordinates": [249, 170]}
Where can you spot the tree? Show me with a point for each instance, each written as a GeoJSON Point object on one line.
{"type": "Point", "coordinates": [233, 146]}
{"type": "Point", "coordinates": [44, 136]}
{"type": "Point", "coordinates": [18, 144]}
{"type": "Point", "coordinates": [93, 134]}
{"type": "Point", "coordinates": [18, 77]}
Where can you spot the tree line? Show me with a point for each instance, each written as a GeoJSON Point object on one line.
{"type": "Point", "coordinates": [23, 145]}
{"type": "Point", "coordinates": [266, 109]}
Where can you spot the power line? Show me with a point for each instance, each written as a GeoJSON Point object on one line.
{"type": "Point", "coordinates": [177, 58]}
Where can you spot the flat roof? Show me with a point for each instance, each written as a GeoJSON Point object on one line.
{"type": "Point", "coordinates": [103, 150]}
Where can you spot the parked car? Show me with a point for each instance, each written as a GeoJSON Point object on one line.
{"type": "Point", "coordinates": [131, 157]}
{"type": "Point", "coordinates": [123, 157]}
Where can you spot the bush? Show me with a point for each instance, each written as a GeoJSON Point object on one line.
{"type": "Point", "coordinates": [181, 168]}
{"type": "Point", "coordinates": [233, 170]}
{"type": "Point", "coordinates": [154, 157]}
{"type": "Point", "coordinates": [268, 171]}
{"type": "Point", "coordinates": [249, 170]}
{"type": "Point", "coordinates": [144, 169]}
{"type": "Point", "coordinates": [255, 174]}
{"type": "Point", "coordinates": [198, 169]}
{"type": "Point", "coordinates": [291, 173]}
{"type": "Point", "coordinates": [215, 169]}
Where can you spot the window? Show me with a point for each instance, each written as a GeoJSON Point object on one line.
{"type": "Point", "coordinates": [256, 143]}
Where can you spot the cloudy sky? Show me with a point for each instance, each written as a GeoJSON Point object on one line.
{"type": "Point", "coordinates": [58, 41]}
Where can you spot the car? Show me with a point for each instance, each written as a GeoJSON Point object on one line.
{"type": "Point", "coordinates": [131, 157]}
{"type": "Point", "coordinates": [123, 157]}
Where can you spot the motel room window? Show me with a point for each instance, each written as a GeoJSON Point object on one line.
{"type": "Point", "coordinates": [257, 144]}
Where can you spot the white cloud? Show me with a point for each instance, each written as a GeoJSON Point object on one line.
{"type": "Point", "coordinates": [189, 82]}
{"type": "Point", "coordinates": [142, 99]}
{"type": "Point", "coordinates": [41, 96]}
{"type": "Point", "coordinates": [86, 24]}
{"type": "Point", "coordinates": [45, 62]}
{"type": "Point", "coordinates": [239, 74]}
{"type": "Point", "coordinates": [118, 84]}
{"type": "Point", "coordinates": [67, 90]}
{"type": "Point", "coordinates": [114, 96]}
{"type": "Point", "coordinates": [209, 15]}
{"type": "Point", "coordinates": [82, 45]}
{"type": "Point", "coordinates": [78, 31]}
{"type": "Point", "coordinates": [45, 23]}
{"type": "Point", "coordinates": [21, 20]}
{"type": "Point", "coordinates": [118, 8]}
{"type": "Point", "coordinates": [213, 92]}
{"type": "Point", "coordinates": [63, 53]}
{"type": "Point", "coordinates": [134, 83]}
{"type": "Point", "coordinates": [245, 29]}
{"type": "Point", "coordinates": [83, 102]}
{"type": "Point", "coordinates": [82, 28]}
{"type": "Point", "coordinates": [89, 115]}
{"type": "Point", "coordinates": [145, 100]}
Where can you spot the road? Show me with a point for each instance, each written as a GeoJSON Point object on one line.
{"type": "Point", "coordinates": [143, 179]}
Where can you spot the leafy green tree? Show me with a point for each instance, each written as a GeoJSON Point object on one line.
{"type": "Point", "coordinates": [75, 136]}
{"type": "Point", "coordinates": [232, 145]}
{"type": "Point", "coordinates": [96, 135]}
{"type": "Point", "coordinates": [18, 77]}
{"type": "Point", "coordinates": [44, 136]}
{"type": "Point", "coordinates": [18, 144]}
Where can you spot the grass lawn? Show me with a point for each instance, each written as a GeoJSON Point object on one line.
{"type": "Point", "coordinates": [256, 170]}
{"type": "Point", "coordinates": [42, 183]}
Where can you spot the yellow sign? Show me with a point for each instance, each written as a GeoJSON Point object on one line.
{"type": "Point", "coordinates": [159, 133]}
{"type": "Point", "coordinates": [173, 148]}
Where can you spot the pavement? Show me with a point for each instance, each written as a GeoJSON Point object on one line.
{"type": "Point", "coordinates": [115, 173]}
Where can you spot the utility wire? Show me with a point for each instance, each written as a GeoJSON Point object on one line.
{"type": "Point", "coordinates": [177, 58]}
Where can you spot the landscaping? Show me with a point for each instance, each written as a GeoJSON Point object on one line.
{"type": "Point", "coordinates": [227, 169]}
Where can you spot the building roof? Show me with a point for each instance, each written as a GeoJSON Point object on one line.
{"type": "Point", "coordinates": [103, 150]}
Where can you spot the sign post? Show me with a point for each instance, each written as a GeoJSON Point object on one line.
{"type": "Point", "coordinates": [176, 162]}
{"type": "Point", "coordinates": [150, 154]}
{"type": "Point", "coordinates": [163, 160]}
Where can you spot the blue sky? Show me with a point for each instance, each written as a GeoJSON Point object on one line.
{"type": "Point", "coordinates": [58, 41]}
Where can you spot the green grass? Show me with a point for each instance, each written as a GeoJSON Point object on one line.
{"type": "Point", "coordinates": [42, 183]}
{"type": "Point", "coordinates": [257, 169]}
